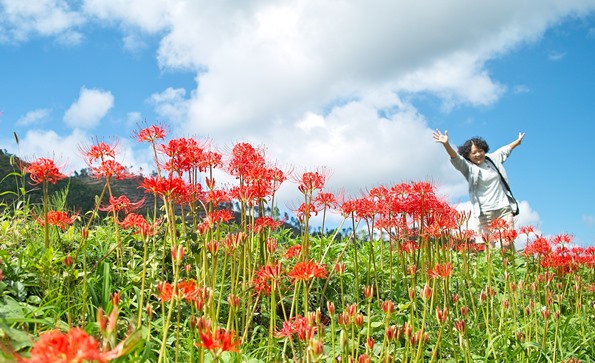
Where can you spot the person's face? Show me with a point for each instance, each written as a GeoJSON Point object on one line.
{"type": "Point", "coordinates": [477, 155]}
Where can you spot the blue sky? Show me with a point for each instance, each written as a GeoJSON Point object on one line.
{"type": "Point", "coordinates": [354, 86]}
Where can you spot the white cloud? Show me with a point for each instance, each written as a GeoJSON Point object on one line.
{"type": "Point", "coordinates": [171, 104]}
{"type": "Point", "coordinates": [91, 106]}
{"type": "Point", "coordinates": [43, 143]}
{"type": "Point", "coordinates": [133, 118]}
{"type": "Point", "coordinates": [34, 117]}
{"type": "Point", "coordinates": [23, 19]}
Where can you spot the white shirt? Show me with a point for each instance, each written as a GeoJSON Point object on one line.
{"type": "Point", "coordinates": [489, 189]}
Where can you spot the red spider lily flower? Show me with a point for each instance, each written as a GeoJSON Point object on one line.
{"type": "Point", "coordinates": [150, 134]}
{"type": "Point", "coordinates": [171, 186]}
{"type": "Point", "coordinates": [540, 246]}
{"type": "Point", "coordinates": [100, 151]}
{"type": "Point", "coordinates": [340, 268]}
{"type": "Point", "coordinates": [409, 246]}
{"type": "Point", "coordinates": [267, 277]}
{"type": "Point", "coordinates": [306, 210]}
{"type": "Point", "coordinates": [210, 159]}
{"type": "Point", "coordinates": [219, 216]}
{"type": "Point", "coordinates": [217, 196]}
{"type": "Point", "coordinates": [140, 224]}
{"type": "Point", "coordinates": [218, 341]}
{"type": "Point", "coordinates": [348, 208]}
{"type": "Point", "coordinates": [266, 222]}
{"type": "Point", "coordinates": [310, 181]}
{"type": "Point", "coordinates": [122, 203]}
{"type": "Point", "coordinates": [293, 251]}
{"type": "Point", "coordinates": [498, 224]}
{"type": "Point", "coordinates": [166, 291]}
{"type": "Point", "coordinates": [184, 154]}
{"type": "Point", "coordinates": [441, 271]}
{"type": "Point", "coordinates": [325, 201]}
{"type": "Point", "coordinates": [43, 170]}
{"type": "Point", "coordinates": [185, 290]}
{"type": "Point", "coordinates": [110, 169]}
{"type": "Point", "coordinates": [307, 270]}
{"type": "Point", "coordinates": [59, 219]}
{"type": "Point", "coordinates": [75, 346]}
{"type": "Point", "coordinates": [298, 325]}
{"type": "Point", "coordinates": [526, 229]}
{"type": "Point", "coordinates": [562, 239]}
{"type": "Point", "coordinates": [245, 157]}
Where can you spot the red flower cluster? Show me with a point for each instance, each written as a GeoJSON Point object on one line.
{"type": "Point", "coordinates": [307, 270]}
{"type": "Point", "coordinates": [257, 179]}
{"type": "Point", "coordinates": [441, 271]}
{"type": "Point", "coordinates": [76, 346]}
{"type": "Point", "coordinates": [140, 224]}
{"type": "Point", "coordinates": [218, 341]}
{"type": "Point", "coordinates": [299, 326]}
{"type": "Point", "coordinates": [59, 219]}
{"type": "Point", "coordinates": [266, 277]}
{"type": "Point", "coordinates": [44, 170]}
{"type": "Point", "coordinates": [150, 134]}
{"type": "Point", "coordinates": [101, 160]}
{"type": "Point", "coordinates": [184, 290]}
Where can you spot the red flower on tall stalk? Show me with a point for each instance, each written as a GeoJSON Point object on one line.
{"type": "Point", "coordinates": [298, 325]}
{"type": "Point", "coordinates": [122, 203]}
{"type": "Point", "coordinates": [171, 186]}
{"type": "Point", "coordinates": [99, 151]}
{"type": "Point", "coordinates": [110, 169]}
{"type": "Point", "coordinates": [267, 276]}
{"type": "Point", "coordinates": [76, 346]}
{"type": "Point", "coordinates": [307, 270]}
{"type": "Point", "coordinates": [293, 251]}
{"type": "Point", "coordinates": [150, 134]}
{"type": "Point", "coordinates": [140, 224]}
{"type": "Point", "coordinates": [312, 180]}
{"type": "Point", "coordinates": [441, 271]}
{"type": "Point", "coordinates": [44, 170]}
{"type": "Point", "coordinates": [59, 219]}
{"type": "Point", "coordinates": [261, 223]}
{"type": "Point", "coordinates": [218, 341]}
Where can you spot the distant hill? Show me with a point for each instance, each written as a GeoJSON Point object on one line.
{"type": "Point", "coordinates": [83, 189]}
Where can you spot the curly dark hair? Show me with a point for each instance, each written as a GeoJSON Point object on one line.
{"type": "Point", "coordinates": [465, 149]}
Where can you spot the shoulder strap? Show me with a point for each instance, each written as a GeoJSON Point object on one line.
{"type": "Point", "coordinates": [515, 210]}
{"type": "Point", "coordinates": [500, 174]}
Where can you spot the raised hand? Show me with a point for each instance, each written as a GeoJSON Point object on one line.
{"type": "Point", "coordinates": [440, 137]}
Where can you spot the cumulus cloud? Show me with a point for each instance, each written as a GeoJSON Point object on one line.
{"type": "Point", "coordinates": [171, 104]}
{"type": "Point", "coordinates": [34, 117]}
{"type": "Point", "coordinates": [319, 83]}
{"type": "Point", "coordinates": [42, 143]}
{"type": "Point", "coordinates": [88, 110]}
{"type": "Point", "coordinates": [23, 19]}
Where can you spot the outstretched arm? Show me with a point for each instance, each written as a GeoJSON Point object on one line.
{"type": "Point", "coordinates": [442, 138]}
{"type": "Point", "coordinates": [517, 142]}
